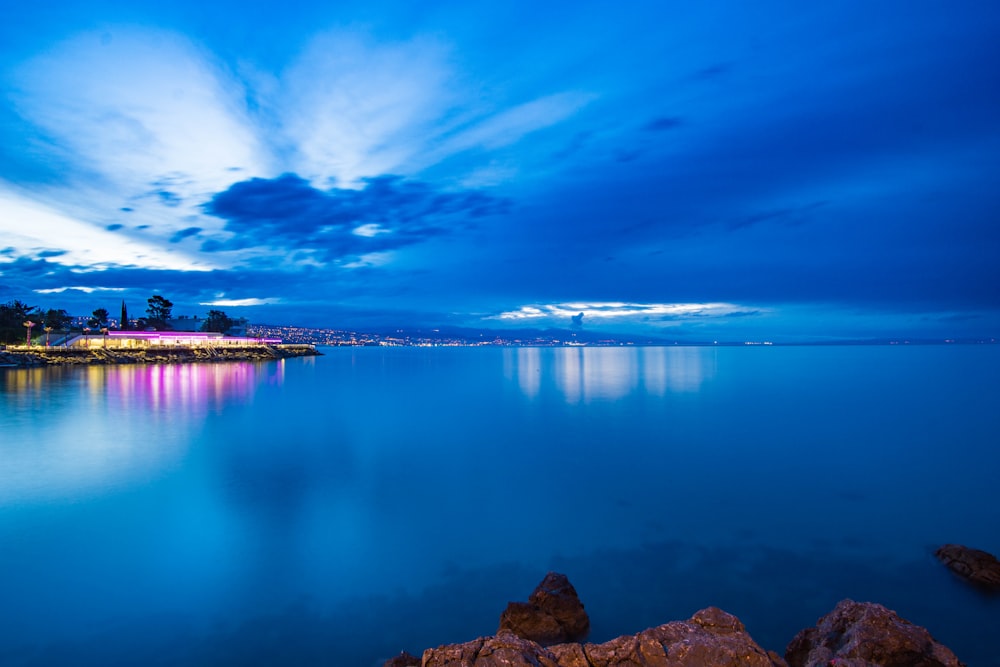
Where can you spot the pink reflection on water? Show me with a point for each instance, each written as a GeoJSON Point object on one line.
{"type": "Point", "coordinates": [67, 431]}
{"type": "Point", "coordinates": [192, 388]}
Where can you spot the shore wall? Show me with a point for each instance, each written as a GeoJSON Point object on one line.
{"type": "Point", "coordinates": [25, 358]}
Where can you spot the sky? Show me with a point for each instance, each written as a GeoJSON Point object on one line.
{"type": "Point", "coordinates": [697, 170]}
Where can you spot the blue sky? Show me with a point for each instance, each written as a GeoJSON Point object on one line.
{"type": "Point", "coordinates": [698, 170]}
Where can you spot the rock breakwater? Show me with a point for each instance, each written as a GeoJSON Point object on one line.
{"type": "Point", "coordinates": [151, 355]}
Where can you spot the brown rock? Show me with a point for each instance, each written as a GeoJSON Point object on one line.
{"type": "Point", "coordinates": [711, 638]}
{"type": "Point", "coordinates": [552, 615]}
{"type": "Point", "coordinates": [503, 650]}
{"type": "Point", "coordinates": [978, 567]}
{"type": "Point", "coordinates": [865, 634]}
{"type": "Point", "coordinates": [404, 659]}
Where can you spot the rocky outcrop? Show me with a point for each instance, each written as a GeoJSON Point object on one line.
{"type": "Point", "coordinates": [854, 634]}
{"type": "Point", "coordinates": [863, 634]}
{"type": "Point", "coordinates": [711, 638]}
{"type": "Point", "coordinates": [553, 614]}
{"type": "Point", "coordinates": [404, 659]}
{"type": "Point", "coordinates": [978, 567]}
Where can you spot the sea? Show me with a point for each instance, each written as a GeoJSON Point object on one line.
{"type": "Point", "coordinates": [339, 509]}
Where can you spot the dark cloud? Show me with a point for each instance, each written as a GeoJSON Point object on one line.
{"type": "Point", "coordinates": [115, 227]}
{"type": "Point", "coordinates": [51, 253]}
{"type": "Point", "coordinates": [184, 233]}
{"type": "Point", "coordinates": [577, 320]}
{"type": "Point", "coordinates": [387, 212]}
{"type": "Point", "coordinates": [663, 124]}
{"type": "Point", "coordinates": [713, 72]}
{"type": "Point", "coordinates": [168, 198]}
{"type": "Point", "coordinates": [786, 216]}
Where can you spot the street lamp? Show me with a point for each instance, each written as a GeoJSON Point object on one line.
{"type": "Point", "coordinates": [27, 337]}
{"type": "Point", "coordinates": [86, 339]}
{"type": "Point", "coordinates": [48, 330]}
{"type": "Point", "coordinates": [104, 332]}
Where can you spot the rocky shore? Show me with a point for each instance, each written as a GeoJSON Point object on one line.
{"type": "Point", "coordinates": [152, 355]}
{"type": "Point", "coordinates": [853, 634]}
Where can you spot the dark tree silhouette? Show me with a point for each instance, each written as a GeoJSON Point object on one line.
{"type": "Point", "coordinates": [57, 319]}
{"type": "Point", "coordinates": [99, 318]}
{"type": "Point", "coordinates": [158, 311]}
{"type": "Point", "coordinates": [217, 321]}
{"type": "Point", "coordinates": [13, 315]}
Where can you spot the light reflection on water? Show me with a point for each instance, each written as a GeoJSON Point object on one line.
{"type": "Point", "coordinates": [584, 374]}
{"type": "Point", "coordinates": [208, 507]}
{"type": "Point", "coordinates": [80, 429]}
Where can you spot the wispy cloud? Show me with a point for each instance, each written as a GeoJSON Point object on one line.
{"type": "Point", "coordinates": [139, 107]}
{"type": "Point", "coordinates": [621, 310]}
{"type": "Point", "coordinates": [352, 109]}
{"type": "Point", "coordinates": [236, 303]}
{"type": "Point", "coordinates": [33, 228]}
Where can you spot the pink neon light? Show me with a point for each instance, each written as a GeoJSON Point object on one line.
{"type": "Point", "coordinates": [201, 335]}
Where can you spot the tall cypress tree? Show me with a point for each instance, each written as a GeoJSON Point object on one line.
{"type": "Point", "coordinates": [123, 325]}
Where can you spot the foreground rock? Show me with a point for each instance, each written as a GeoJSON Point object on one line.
{"type": "Point", "coordinates": [854, 634]}
{"type": "Point", "coordinates": [710, 638]}
{"type": "Point", "coordinates": [404, 659]}
{"type": "Point", "coordinates": [978, 567]}
{"type": "Point", "coordinates": [859, 634]}
{"type": "Point", "coordinates": [553, 614]}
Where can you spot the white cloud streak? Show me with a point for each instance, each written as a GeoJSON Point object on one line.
{"type": "Point", "coordinates": [33, 229]}
{"type": "Point", "coordinates": [623, 310]}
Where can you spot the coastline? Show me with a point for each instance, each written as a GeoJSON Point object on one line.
{"type": "Point", "coordinates": [33, 358]}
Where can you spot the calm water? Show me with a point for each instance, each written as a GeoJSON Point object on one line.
{"type": "Point", "coordinates": [336, 510]}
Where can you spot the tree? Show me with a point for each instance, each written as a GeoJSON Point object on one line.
{"type": "Point", "coordinates": [57, 319]}
{"type": "Point", "coordinates": [99, 318]}
{"type": "Point", "coordinates": [158, 311]}
{"type": "Point", "coordinates": [13, 315]}
{"type": "Point", "coordinates": [217, 321]}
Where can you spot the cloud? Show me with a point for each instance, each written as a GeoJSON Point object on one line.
{"type": "Point", "coordinates": [78, 288]}
{"type": "Point", "coordinates": [337, 223]}
{"type": "Point", "coordinates": [351, 109]}
{"type": "Point", "coordinates": [576, 311]}
{"type": "Point", "coordinates": [139, 108]}
{"type": "Point", "coordinates": [514, 124]}
{"type": "Point", "coordinates": [791, 215]}
{"type": "Point", "coordinates": [184, 233]}
{"type": "Point", "coordinates": [238, 303]}
{"type": "Point", "coordinates": [663, 124]}
{"type": "Point", "coordinates": [33, 228]}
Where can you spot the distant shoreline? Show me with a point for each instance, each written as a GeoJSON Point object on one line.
{"type": "Point", "coordinates": [42, 356]}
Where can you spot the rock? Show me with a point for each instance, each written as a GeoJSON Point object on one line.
{"type": "Point", "coordinates": [552, 615]}
{"type": "Point", "coordinates": [404, 659]}
{"type": "Point", "coordinates": [865, 634]}
{"type": "Point", "coordinates": [711, 638]}
{"type": "Point", "coordinates": [506, 650]}
{"type": "Point", "coordinates": [978, 567]}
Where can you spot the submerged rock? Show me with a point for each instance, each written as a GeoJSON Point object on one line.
{"type": "Point", "coordinates": [978, 567]}
{"type": "Point", "coordinates": [553, 613]}
{"type": "Point", "coordinates": [863, 634]}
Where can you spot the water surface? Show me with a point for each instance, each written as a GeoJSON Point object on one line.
{"type": "Point", "coordinates": [336, 510]}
